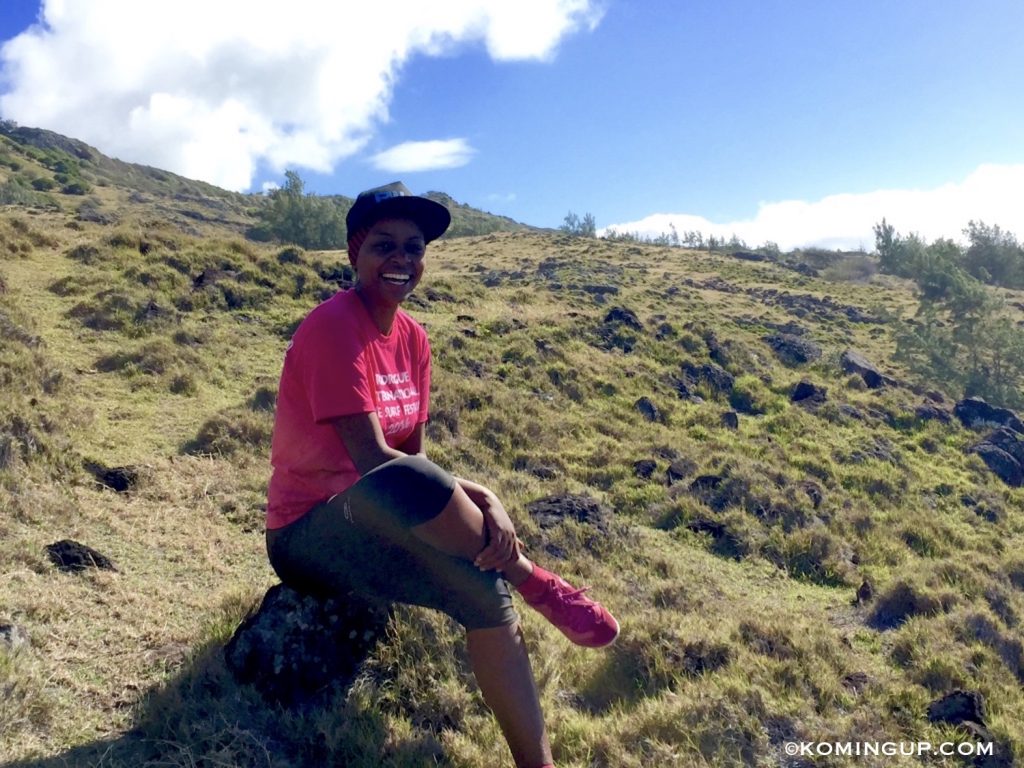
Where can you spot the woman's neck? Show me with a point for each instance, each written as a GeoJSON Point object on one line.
{"type": "Point", "coordinates": [382, 314]}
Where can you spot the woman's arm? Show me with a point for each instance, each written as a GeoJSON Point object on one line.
{"type": "Point", "coordinates": [364, 441]}
{"type": "Point", "coordinates": [414, 444]}
{"type": "Point", "coordinates": [502, 543]}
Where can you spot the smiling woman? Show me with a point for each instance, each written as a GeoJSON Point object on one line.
{"type": "Point", "coordinates": [354, 504]}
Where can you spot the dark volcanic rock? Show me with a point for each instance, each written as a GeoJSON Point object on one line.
{"type": "Point", "coordinates": [714, 376]}
{"type": "Point", "coordinates": [813, 491]}
{"type": "Point", "coordinates": [644, 468]}
{"type": "Point", "coordinates": [749, 256]}
{"type": "Point", "coordinates": [551, 510]}
{"type": "Point", "coordinates": [974, 412]}
{"type": "Point", "coordinates": [72, 557]}
{"type": "Point", "coordinates": [957, 707]}
{"type": "Point", "coordinates": [931, 412]}
{"type": "Point", "coordinates": [679, 470]}
{"type": "Point", "coordinates": [648, 409]}
{"type": "Point", "coordinates": [731, 420]}
{"type": "Point", "coordinates": [854, 362]}
{"type": "Point", "coordinates": [623, 316]}
{"type": "Point", "coordinates": [296, 647]}
{"type": "Point", "coordinates": [806, 392]}
{"type": "Point", "coordinates": [793, 350]}
{"type": "Point", "coordinates": [1003, 464]}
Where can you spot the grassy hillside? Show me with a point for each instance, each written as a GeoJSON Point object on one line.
{"type": "Point", "coordinates": [151, 338]}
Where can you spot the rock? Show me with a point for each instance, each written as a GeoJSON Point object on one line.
{"type": "Point", "coordinates": [1004, 465]}
{"type": "Point", "coordinates": [296, 647]}
{"type": "Point", "coordinates": [930, 412]}
{"type": "Point", "coordinates": [120, 479]}
{"type": "Point", "coordinates": [648, 409]}
{"type": "Point", "coordinates": [974, 412]}
{"type": "Point", "coordinates": [551, 510]}
{"type": "Point", "coordinates": [13, 637]}
{"type": "Point", "coordinates": [851, 411]}
{"type": "Point", "coordinates": [623, 316]}
{"type": "Point", "coordinates": [1010, 441]}
{"type": "Point", "coordinates": [854, 362]}
{"type": "Point", "coordinates": [731, 420]}
{"type": "Point", "coordinates": [793, 350]}
{"type": "Point", "coordinates": [71, 557]}
{"type": "Point", "coordinates": [703, 485]}
{"type": "Point", "coordinates": [535, 468]}
{"type": "Point", "coordinates": [957, 707]}
{"type": "Point", "coordinates": [678, 470]}
{"type": "Point", "coordinates": [644, 468]}
{"type": "Point", "coordinates": [808, 393]}
{"type": "Point", "coordinates": [865, 592]}
{"type": "Point", "coordinates": [813, 491]}
{"type": "Point", "coordinates": [714, 376]}
{"type": "Point", "coordinates": [748, 256]}
{"type": "Point", "coordinates": [856, 681]}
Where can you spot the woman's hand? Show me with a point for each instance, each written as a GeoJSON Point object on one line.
{"type": "Point", "coordinates": [502, 544]}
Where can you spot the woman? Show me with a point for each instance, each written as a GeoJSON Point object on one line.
{"type": "Point", "coordinates": [354, 505]}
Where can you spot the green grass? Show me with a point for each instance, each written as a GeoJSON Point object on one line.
{"type": "Point", "coordinates": [156, 341]}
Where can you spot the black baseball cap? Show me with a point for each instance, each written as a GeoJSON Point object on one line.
{"type": "Point", "coordinates": [395, 201]}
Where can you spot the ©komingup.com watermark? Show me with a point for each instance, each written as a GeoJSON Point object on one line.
{"type": "Point", "coordinates": [886, 748]}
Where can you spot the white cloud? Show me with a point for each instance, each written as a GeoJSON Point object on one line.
{"type": "Point", "coordinates": [212, 89]}
{"type": "Point", "coordinates": [424, 156]}
{"type": "Point", "coordinates": [992, 193]}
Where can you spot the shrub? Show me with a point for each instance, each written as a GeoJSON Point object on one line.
{"type": "Point", "coordinates": [901, 602]}
{"type": "Point", "coordinates": [234, 431]}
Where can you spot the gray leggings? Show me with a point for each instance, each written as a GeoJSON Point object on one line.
{"type": "Point", "coordinates": [359, 541]}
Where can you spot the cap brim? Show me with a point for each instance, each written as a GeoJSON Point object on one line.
{"type": "Point", "coordinates": [432, 218]}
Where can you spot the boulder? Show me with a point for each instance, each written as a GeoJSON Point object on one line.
{"type": "Point", "coordinates": [1003, 464]}
{"type": "Point", "coordinates": [930, 412]}
{"type": "Point", "coordinates": [678, 470]}
{"type": "Point", "coordinates": [854, 362]}
{"type": "Point", "coordinates": [72, 557]}
{"type": "Point", "coordinates": [714, 376]}
{"type": "Point", "coordinates": [623, 316]}
{"type": "Point", "coordinates": [974, 412]}
{"type": "Point", "coordinates": [295, 648]}
{"type": "Point", "coordinates": [793, 350]}
{"type": "Point", "coordinates": [957, 707]}
{"type": "Point", "coordinates": [551, 510]}
{"type": "Point", "coordinates": [648, 409]}
{"type": "Point", "coordinates": [807, 393]}
{"type": "Point", "coordinates": [644, 468]}
{"type": "Point", "coordinates": [730, 420]}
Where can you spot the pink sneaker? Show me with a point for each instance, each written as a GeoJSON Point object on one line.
{"type": "Point", "coordinates": [584, 621]}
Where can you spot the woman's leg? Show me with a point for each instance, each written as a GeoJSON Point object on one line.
{"type": "Point", "coordinates": [502, 669]}
{"type": "Point", "coordinates": [459, 531]}
{"type": "Point", "coordinates": [497, 654]}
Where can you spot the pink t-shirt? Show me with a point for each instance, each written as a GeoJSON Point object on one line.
{"type": "Point", "coordinates": [338, 364]}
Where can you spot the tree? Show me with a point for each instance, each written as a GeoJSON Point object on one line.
{"type": "Point", "coordinates": [573, 225]}
{"type": "Point", "coordinates": [291, 216]}
{"type": "Point", "coordinates": [994, 256]}
{"type": "Point", "coordinates": [961, 334]}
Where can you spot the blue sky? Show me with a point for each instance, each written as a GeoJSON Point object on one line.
{"type": "Point", "coordinates": [798, 121]}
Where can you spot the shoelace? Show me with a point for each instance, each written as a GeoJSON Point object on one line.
{"type": "Point", "coordinates": [569, 599]}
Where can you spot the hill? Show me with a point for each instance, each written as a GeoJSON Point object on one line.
{"type": "Point", "coordinates": [798, 551]}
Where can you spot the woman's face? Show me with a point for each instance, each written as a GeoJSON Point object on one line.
{"type": "Point", "coordinates": [389, 264]}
